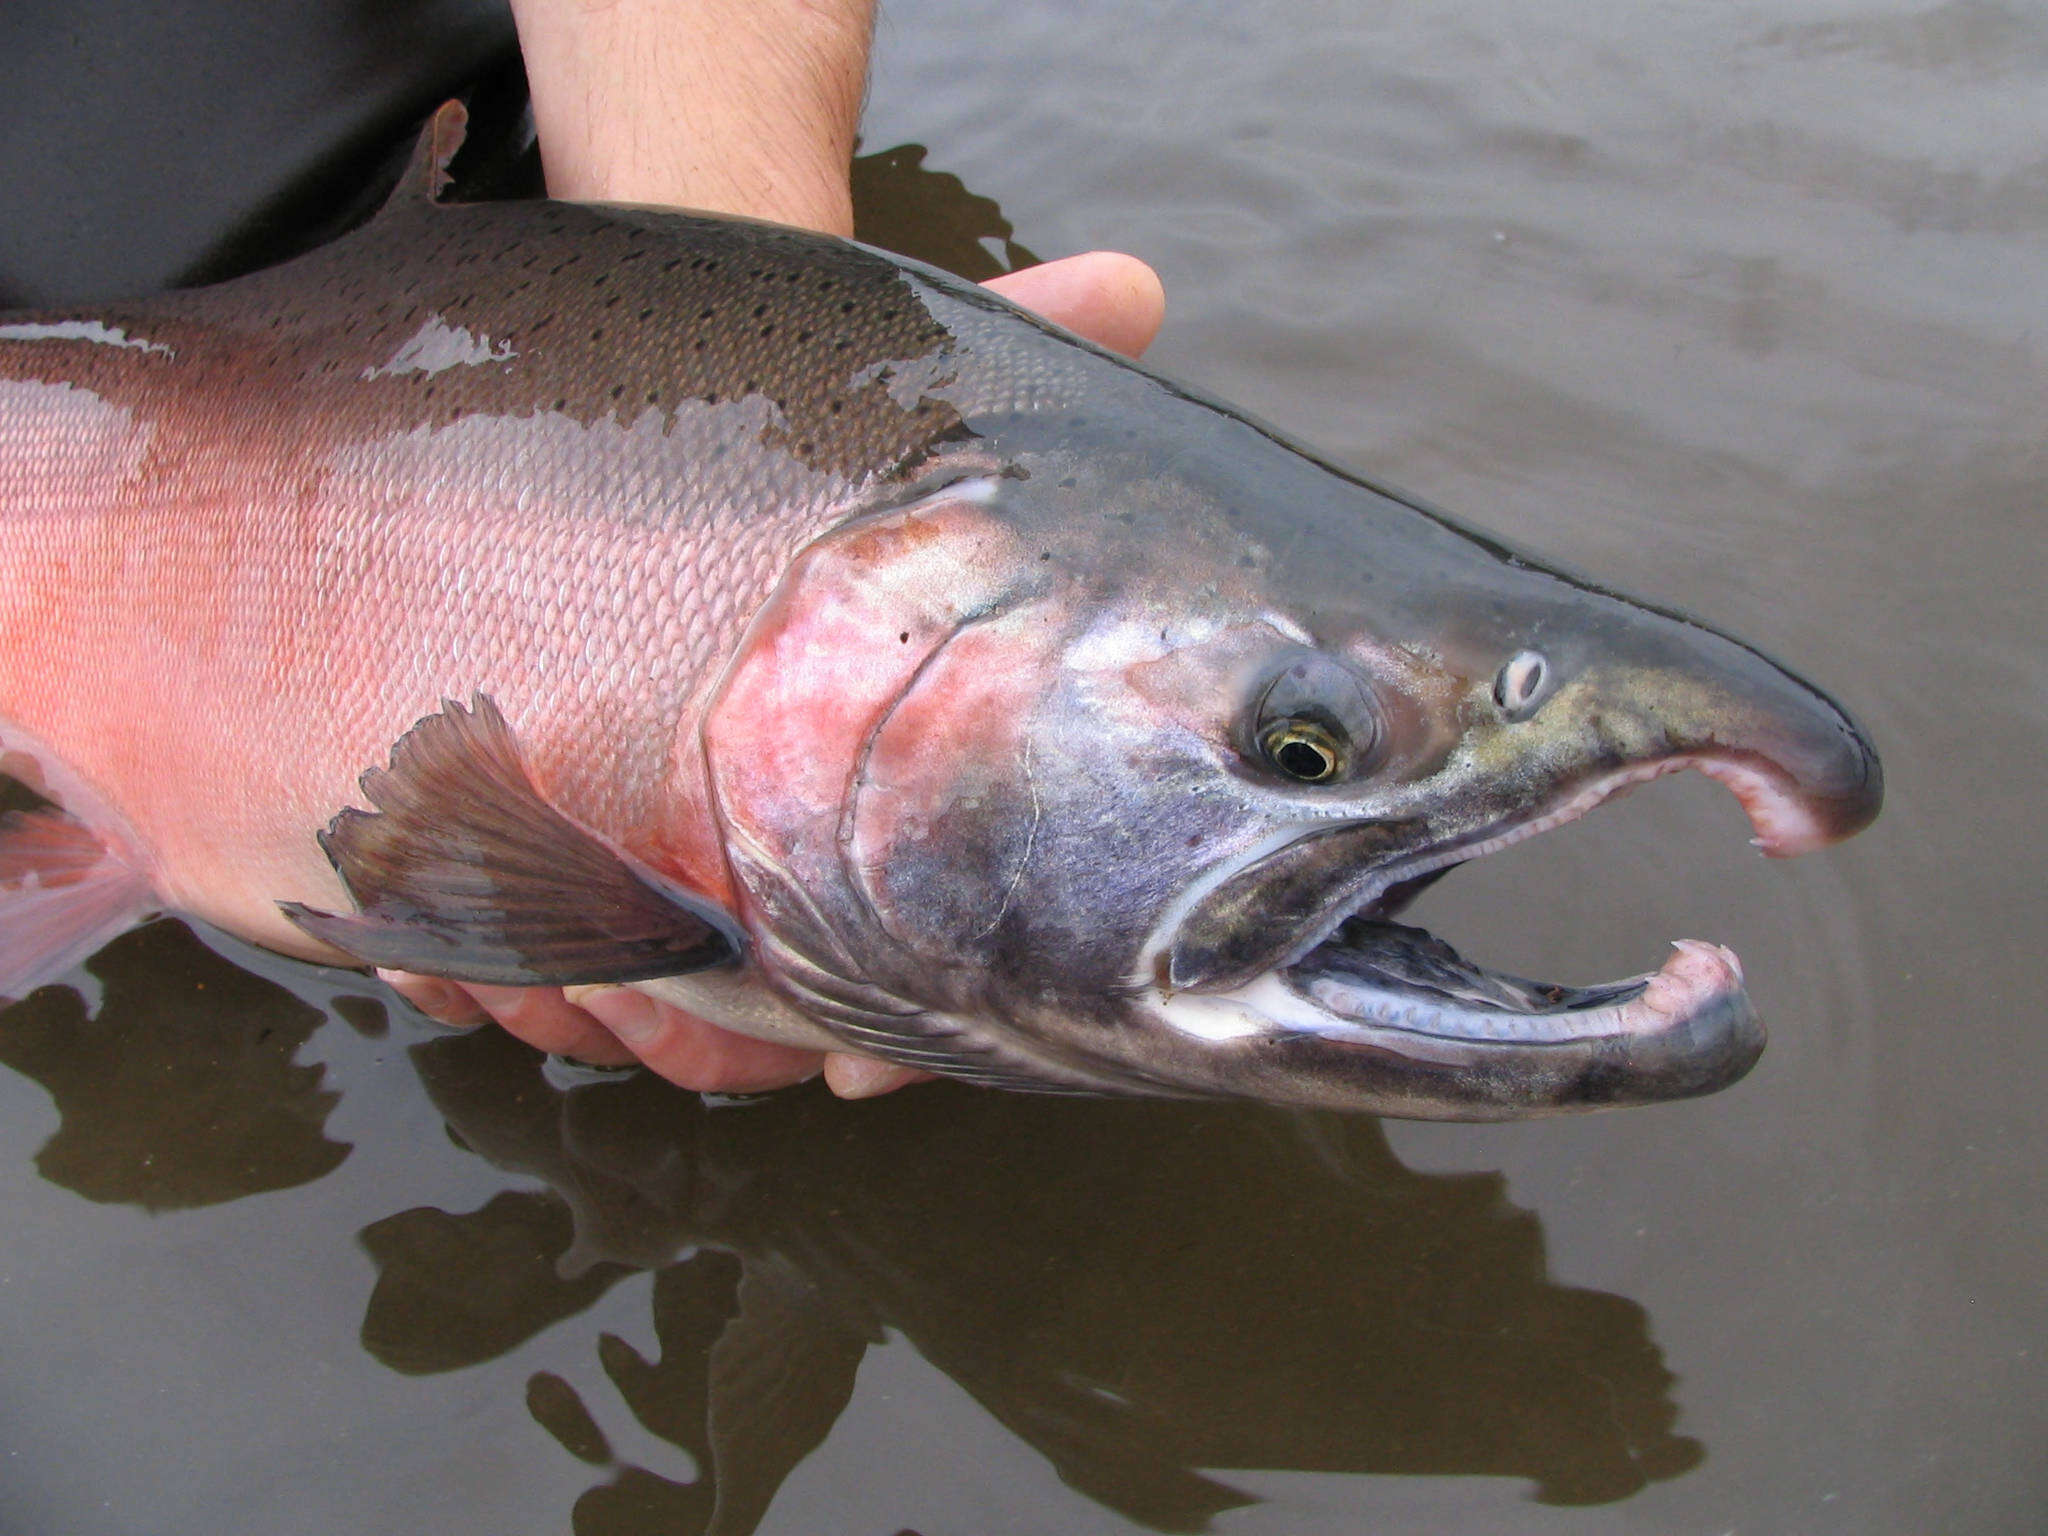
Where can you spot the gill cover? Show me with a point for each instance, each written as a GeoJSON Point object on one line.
{"type": "Point", "coordinates": [881, 693]}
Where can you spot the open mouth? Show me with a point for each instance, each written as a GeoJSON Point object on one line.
{"type": "Point", "coordinates": [1374, 971]}
{"type": "Point", "coordinates": [1363, 981]}
{"type": "Point", "coordinates": [1386, 976]}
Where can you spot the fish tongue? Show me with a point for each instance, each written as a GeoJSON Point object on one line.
{"type": "Point", "coordinates": [1394, 956]}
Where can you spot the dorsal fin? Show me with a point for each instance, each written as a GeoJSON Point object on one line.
{"type": "Point", "coordinates": [426, 174]}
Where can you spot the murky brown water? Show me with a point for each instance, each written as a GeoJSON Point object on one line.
{"type": "Point", "coordinates": [1744, 308]}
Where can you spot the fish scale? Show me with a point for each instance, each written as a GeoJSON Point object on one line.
{"type": "Point", "coordinates": [576, 511]}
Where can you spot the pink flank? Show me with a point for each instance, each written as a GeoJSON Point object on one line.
{"type": "Point", "coordinates": [218, 608]}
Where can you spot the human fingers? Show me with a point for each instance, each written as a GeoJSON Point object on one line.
{"type": "Point", "coordinates": [445, 1002]}
{"type": "Point", "coordinates": [698, 1055]}
{"type": "Point", "coordinates": [540, 1016]}
{"type": "Point", "coordinates": [863, 1077]}
{"type": "Point", "coordinates": [622, 1027]}
{"type": "Point", "coordinates": [690, 1052]}
{"type": "Point", "coordinates": [548, 1021]}
{"type": "Point", "coordinates": [1116, 301]}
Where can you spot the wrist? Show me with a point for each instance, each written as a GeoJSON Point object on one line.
{"type": "Point", "coordinates": [737, 106]}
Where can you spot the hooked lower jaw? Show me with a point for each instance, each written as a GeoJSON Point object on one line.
{"type": "Point", "coordinates": [1371, 992]}
{"type": "Point", "coordinates": [1430, 1034]}
{"type": "Point", "coordinates": [1344, 1035]}
{"type": "Point", "coordinates": [1458, 1001]}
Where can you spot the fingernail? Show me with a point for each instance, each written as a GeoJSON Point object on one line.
{"type": "Point", "coordinates": [632, 1016]}
{"type": "Point", "coordinates": [442, 1001]}
{"type": "Point", "coordinates": [862, 1077]}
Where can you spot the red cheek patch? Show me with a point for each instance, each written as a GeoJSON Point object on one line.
{"type": "Point", "coordinates": [948, 775]}
{"type": "Point", "coordinates": [860, 613]}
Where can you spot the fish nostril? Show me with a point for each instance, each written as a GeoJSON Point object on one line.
{"type": "Point", "coordinates": [1521, 684]}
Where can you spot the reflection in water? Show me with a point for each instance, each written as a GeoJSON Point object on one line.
{"type": "Point", "coordinates": [179, 1088]}
{"type": "Point", "coordinates": [901, 204]}
{"type": "Point", "coordinates": [1135, 1290]}
{"type": "Point", "coordinates": [455, 1290]}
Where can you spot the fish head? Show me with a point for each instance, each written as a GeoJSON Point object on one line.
{"type": "Point", "coordinates": [1122, 765]}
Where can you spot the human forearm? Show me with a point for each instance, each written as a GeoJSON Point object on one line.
{"type": "Point", "coordinates": [738, 106]}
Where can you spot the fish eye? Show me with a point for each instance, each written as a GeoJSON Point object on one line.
{"type": "Point", "coordinates": [1304, 749]}
{"type": "Point", "coordinates": [1316, 721]}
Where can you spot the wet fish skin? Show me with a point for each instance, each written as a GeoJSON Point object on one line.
{"type": "Point", "coordinates": [1103, 867]}
{"type": "Point", "coordinates": [893, 647]}
{"type": "Point", "coordinates": [385, 509]}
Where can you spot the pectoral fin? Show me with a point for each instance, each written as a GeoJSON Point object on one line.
{"type": "Point", "coordinates": [464, 871]}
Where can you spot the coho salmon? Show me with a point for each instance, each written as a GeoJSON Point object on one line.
{"type": "Point", "coordinates": [552, 594]}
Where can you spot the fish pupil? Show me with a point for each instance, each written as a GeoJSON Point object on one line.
{"type": "Point", "coordinates": [1303, 760]}
{"type": "Point", "coordinates": [1306, 746]}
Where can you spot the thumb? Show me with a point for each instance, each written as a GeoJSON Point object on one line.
{"type": "Point", "coordinates": [1115, 301]}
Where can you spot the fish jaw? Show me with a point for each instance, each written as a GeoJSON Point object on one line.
{"type": "Point", "coordinates": [1368, 1014]}
{"type": "Point", "coordinates": [1287, 974]}
{"type": "Point", "coordinates": [1347, 1008]}
{"type": "Point", "coordinates": [1686, 1029]}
